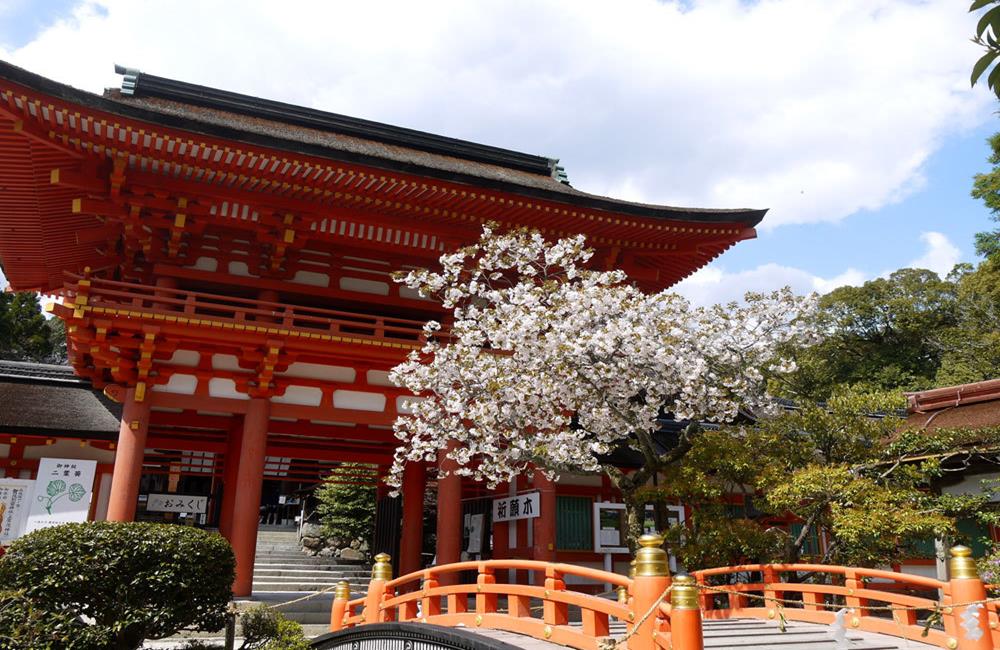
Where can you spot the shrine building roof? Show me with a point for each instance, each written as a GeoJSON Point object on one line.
{"type": "Point", "coordinates": [64, 201]}
{"type": "Point", "coordinates": [44, 399]}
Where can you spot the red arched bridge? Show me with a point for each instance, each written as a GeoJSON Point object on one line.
{"type": "Point", "coordinates": [787, 606]}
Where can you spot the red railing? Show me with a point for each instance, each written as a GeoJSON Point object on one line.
{"type": "Point", "coordinates": [952, 614]}
{"type": "Point", "coordinates": [110, 297]}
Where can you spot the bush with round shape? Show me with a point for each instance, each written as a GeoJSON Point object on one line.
{"type": "Point", "coordinates": [264, 628]}
{"type": "Point", "coordinates": [130, 581]}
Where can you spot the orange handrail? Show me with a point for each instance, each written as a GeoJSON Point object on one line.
{"type": "Point", "coordinates": [874, 600]}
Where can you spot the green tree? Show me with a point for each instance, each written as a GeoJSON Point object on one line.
{"type": "Point", "coordinates": [845, 471]}
{"type": "Point", "coordinates": [347, 503]}
{"type": "Point", "coordinates": [987, 31]}
{"type": "Point", "coordinates": [986, 187]}
{"type": "Point", "coordinates": [24, 333]}
{"type": "Point", "coordinates": [883, 335]}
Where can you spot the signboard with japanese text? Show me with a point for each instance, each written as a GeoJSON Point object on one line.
{"type": "Point", "coordinates": [512, 508]}
{"type": "Point", "coordinates": [15, 498]}
{"type": "Point", "coordinates": [177, 503]}
{"type": "Point", "coordinates": [63, 489]}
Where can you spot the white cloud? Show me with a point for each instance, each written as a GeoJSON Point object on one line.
{"type": "Point", "coordinates": [816, 109]}
{"type": "Point", "coordinates": [941, 255]}
{"type": "Point", "coordinates": [713, 284]}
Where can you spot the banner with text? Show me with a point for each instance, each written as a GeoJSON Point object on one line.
{"type": "Point", "coordinates": [15, 498]}
{"type": "Point", "coordinates": [177, 503]}
{"type": "Point", "coordinates": [63, 489]}
{"type": "Point", "coordinates": [521, 506]}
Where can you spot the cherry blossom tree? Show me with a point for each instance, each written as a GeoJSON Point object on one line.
{"type": "Point", "coordinates": [546, 362]}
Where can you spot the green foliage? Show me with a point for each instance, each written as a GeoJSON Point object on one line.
{"type": "Point", "coordinates": [134, 580]}
{"type": "Point", "coordinates": [879, 336]}
{"type": "Point", "coordinates": [264, 628]}
{"type": "Point", "coordinates": [23, 626]}
{"type": "Point", "coordinates": [986, 187]}
{"type": "Point", "coordinates": [24, 332]}
{"type": "Point", "coordinates": [909, 331]}
{"type": "Point", "coordinates": [987, 31]}
{"type": "Point", "coordinates": [347, 503]}
{"type": "Point", "coordinates": [858, 480]}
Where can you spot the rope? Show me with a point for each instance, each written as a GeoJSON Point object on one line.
{"type": "Point", "coordinates": [612, 644]}
{"type": "Point", "coordinates": [885, 608]}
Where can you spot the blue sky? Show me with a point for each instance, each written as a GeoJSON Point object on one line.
{"type": "Point", "coordinates": [853, 121]}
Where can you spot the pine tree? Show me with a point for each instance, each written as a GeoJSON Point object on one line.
{"type": "Point", "coordinates": [347, 503]}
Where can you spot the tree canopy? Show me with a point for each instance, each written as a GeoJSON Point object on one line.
{"type": "Point", "coordinates": [550, 364]}
{"type": "Point", "coordinates": [25, 334]}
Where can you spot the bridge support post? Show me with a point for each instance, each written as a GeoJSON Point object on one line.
{"type": "Point", "coordinates": [381, 574]}
{"type": "Point", "coordinates": [970, 625]}
{"type": "Point", "coordinates": [652, 577]}
{"type": "Point", "coordinates": [339, 609]}
{"type": "Point", "coordinates": [685, 615]}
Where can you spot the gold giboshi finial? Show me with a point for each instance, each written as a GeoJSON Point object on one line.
{"type": "Point", "coordinates": [961, 565]}
{"type": "Point", "coordinates": [651, 559]}
{"type": "Point", "coordinates": [343, 590]}
{"type": "Point", "coordinates": [382, 569]}
{"type": "Point", "coordinates": [684, 594]}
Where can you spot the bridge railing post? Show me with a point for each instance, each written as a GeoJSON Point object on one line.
{"type": "Point", "coordinates": [339, 609]}
{"type": "Point", "coordinates": [554, 613]}
{"type": "Point", "coordinates": [970, 624]}
{"type": "Point", "coordinates": [381, 574]}
{"type": "Point", "coordinates": [486, 603]}
{"type": "Point", "coordinates": [685, 615]}
{"type": "Point", "coordinates": [652, 577]}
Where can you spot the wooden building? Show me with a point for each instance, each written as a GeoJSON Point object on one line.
{"type": "Point", "coordinates": [222, 265]}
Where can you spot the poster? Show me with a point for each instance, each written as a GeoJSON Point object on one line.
{"type": "Point", "coordinates": [475, 530]}
{"type": "Point", "coordinates": [15, 498]}
{"type": "Point", "coordinates": [521, 506]}
{"type": "Point", "coordinates": [177, 503]}
{"type": "Point", "coordinates": [63, 490]}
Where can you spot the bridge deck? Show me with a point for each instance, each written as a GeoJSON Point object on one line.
{"type": "Point", "coordinates": [748, 633]}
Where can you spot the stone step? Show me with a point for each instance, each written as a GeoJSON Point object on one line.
{"type": "Point", "coordinates": [301, 586]}
{"type": "Point", "coordinates": [329, 565]}
{"type": "Point", "coordinates": [306, 573]}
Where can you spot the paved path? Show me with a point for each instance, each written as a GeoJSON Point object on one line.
{"type": "Point", "coordinates": [749, 633]}
{"type": "Point", "coordinates": [739, 634]}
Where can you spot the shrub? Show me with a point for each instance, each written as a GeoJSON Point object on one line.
{"type": "Point", "coordinates": [25, 627]}
{"type": "Point", "coordinates": [132, 580]}
{"type": "Point", "coordinates": [266, 629]}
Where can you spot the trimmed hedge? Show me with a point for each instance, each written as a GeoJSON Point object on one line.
{"type": "Point", "coordinates": [133, 581]}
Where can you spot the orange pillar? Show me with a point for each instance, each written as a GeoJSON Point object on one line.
{"type": "Point", "coordinates": [129, 453]}
{"type": "Point", "coordinates": [229, 479]}
{"type": "Point", "coordinates": [544, 525]}
{"type": "Point", "coordinates": [449, 513]}
{"type": "Point", "coordinates": [249, 481]}
{"type": "Point", "coordinates": [411, 545]}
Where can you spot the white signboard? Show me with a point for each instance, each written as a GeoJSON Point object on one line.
{"type": "Point", "coordinates": [15, 499]}
{"type": "Point", "coordinates": [63, 489]}
{"type": "Point", "coordinates": [475, 531]}
{"type": "Point", "coordinates": [609, 525]}
{"type": "Point", "coordinates": [177, 503]}
{"type": "Point", "coordinates": [521, 506]}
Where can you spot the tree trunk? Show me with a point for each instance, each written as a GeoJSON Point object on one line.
{"type": "Point", "coordinates": [635, 519]}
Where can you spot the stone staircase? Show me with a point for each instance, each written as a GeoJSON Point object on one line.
{"type": "Point", "coordinates": [282, 572]}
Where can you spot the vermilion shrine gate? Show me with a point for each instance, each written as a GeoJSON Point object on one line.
{"type": "Point", "coordinates": [223, 265]}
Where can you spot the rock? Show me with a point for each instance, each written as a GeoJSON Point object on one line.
{"type": "Point", "coordinates": [312, 542]}
{"type": "Point", "coordinates": [356, 544]}
{"type": "Point", "coordinates": [351, 554]}
{"type": "Point", "coordinates": [326, 552]}
{"type": "Point", "coordinates": [312, 530]}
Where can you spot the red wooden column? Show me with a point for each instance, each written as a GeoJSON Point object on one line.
{"type": "Point", "coordinates": [249, 481]}
{"type": "Point", "coordinates": [449, 514]}
{"type": "Point", "coordinates": [229, 478]}
{"type": "Point", "coordinates": [412, 542]}
{"type": "Point", "coordinates": [129, 453]}
{"type": "Point", "coordinates": [544, 525]}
